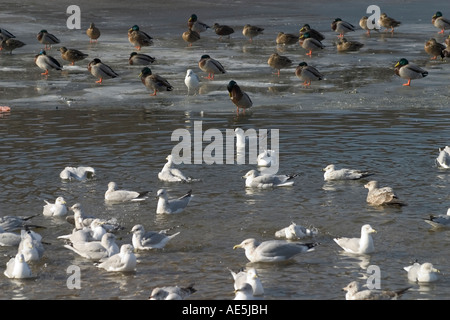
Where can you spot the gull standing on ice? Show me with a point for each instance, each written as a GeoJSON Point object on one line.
{"type": "Point", "coordinates": [331, 173]}
{"type": "Point", "coordinates": [273, 250]}
{"type": "Point", "coordinates": [77, 173]}
{"type": "Point", "coordinates": [253, 179]}
{"type": "Point", "coordinates": [381, 196]}
{"type": "Point", "coordinates": [57, 209]}
{"type": "Point", "coordinates": [192, 81]}
{"type": "Point", "coordinates": [422, 273]}
{"type": "Point", "coordinates": [114, 195]}
{"type": "Point", "coordinates": [124, 261]}
{"type": "Point", "coordinates": [170, 206]}
{"type": "Point", "coordinates": [145, 240]}
{"type": "Point", "coordinates": [362, 245]}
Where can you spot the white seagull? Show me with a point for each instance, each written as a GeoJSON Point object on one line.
{"type": "Point", "coordinates": [331, 173]}
{"type": "Point", "coordinates": [253, 179]}
{"type": "Point", "coordinates": [114, 195]}
{"type": "Point", "coordinates": [17, 268]}
{"type": "Point", "coordinates": [192, 81]}
{"type": "Point", "coordinates": [57, 209]}
{"type": "Point", "coordinates": [145, 240]}
{"type": "Point", "coordinates": [124, 261]}
{"type": "Point", "coordinates": [250, 276]}
{"type": "Point", "coordinates": [422, 273]}
{"type": "Point", "coordinates": [170, 206]}
{"type": "Point", "coordinates": [77, 173]}
{"type": "Point", "coordinates": [171, 174]}
{"type": "Point", "coordinates": [362, 245]}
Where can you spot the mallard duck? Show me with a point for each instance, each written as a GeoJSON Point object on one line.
{"type": "Point", "coordinates": [313, 33]}
{"type": "Point", "coordinates": [154, 81]}
{"type": "Point", "coordinates": [250, 31]}
{"type": "Point", "coordinates": [409, 71]}
{"type": "Point", "coordinates": [223, 30]}
{"type": "Point", "coordinates": [286, 38]}
{"type": "Point", "coordinates": [100, 70]}
{"type": "Point", "coordinates": [72, 55]}
{"type": "Point", "coordinates": [345, 45]}
{"type": "Point", "coordinates": [196, 25]}
{"type": "Point", "coordinates": [93, 33]}
{"type": "Point", "coordinates": [210, 66]}
{"type": "Point", "coordinates": [307, 73]}
{"type": "Point", "coordinates": [238, 97]}
{"type": "Point", "coordinates": [434, 49]}
{"type": "Point", "coordinates": [11, 44]}
{"type": "Point", "coordinates": [310, 44]}
{"type": "Point", "coordinates": [387, 22]}
{"type": "Point", "coordinates": [140, 59]}
{"type": "Point", "coordinates": [47, 39]}
{"type": "Point", "coordinates": [139, 38]}
{"type": "Point", "coordinates": [342, 27]}
{"type": "Point", "coordinates": [440, 22]}
{"type": "Point", "coordinates": [5, 34]}
{"type": "Point", "coordinates": [46, 62]}
{"type": "Point", "coordinates": [364, 26]}
{"type": "Point", "coordinates": [279, 62]}
{"type": "Point", "coordinates": [190, 36]}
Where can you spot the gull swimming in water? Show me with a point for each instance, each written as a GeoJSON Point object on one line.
{"type": "Point", "coordinates": [253, 179]}
{"type": "Point", "coordinates": [17, 268]}
{"type": "Point", "coordinates": [12, 223]}
{"type": "Point", "coordinates": [362, 245]}
{"type": "Point", "coordinates": [381, 196]}
{"type": "Point", "coordinates": [9, 239]}
{"type": "Point", "coordinates": [171, 174]}
{"type": "Point", "coordinates": [114, 195]}
{"type": "Point", "coordinates": [31, 245]}
{"type": "Point", "coordinates": [169, 206]}
{"type": "Point", "coordinates": [244, 292]}
{"type": "Point", "coordinates": [172, 293]}
{"type": "Point", "coordinates": [443, 160]}
{"type": "Point", "coordinates": [331, 173]}
{"type": "Point", "coordinates": [95, 250]}
{"type": "Point", "coordinates": [145, 240]}
{"type": "Point", "coordinates": [422, 273]}
{"type": "Point", "coordinates": [273, 250]}
{"type": "Point", "coordinates": [267, 158]}
{"type": "Point", "coordinates": [294, 232]}
{"type": "Point", "coordinates": [57, 209]}
{"type": "Point", "coordinates": [250, 276]}
{"type": "Point", "coordinates": [81, 220]}
{"type": "Point", "coordinates": [124, 261]}
{"type": "Point", "coordinates": [442, 220]}
{"type": "Point", "coordinates": [355, 292]}
{"type": "Point", "coordinates": [77, 173]}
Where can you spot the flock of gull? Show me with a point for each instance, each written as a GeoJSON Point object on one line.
{"type": "Point", "coordinates": [94, 238]}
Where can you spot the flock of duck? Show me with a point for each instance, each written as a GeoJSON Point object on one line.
{"type": "Point", "coordinates": [93, 238]}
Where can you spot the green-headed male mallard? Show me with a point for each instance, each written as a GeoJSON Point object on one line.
{"type": "Point", "coordinates": [72, 55]}
{"type": "Point", "coordinates": [388, 22]}
{"type": "Point", "coordinates": [139, 38]}
{"type": "Point", "coordinates": [307, 73]}
{"type": "Point", "coordinates": [434, 49]}
{"type": "Point", "coordinates": [196, 25]}
{"type": "Point", "coordinates": [286, 38]}
{"type": "Point", "coordinates": [45, 62]}
{"type": "Point", "coordinates": [344, 45]}
{"type": "Point", "coordinates": [11, 44]}
{"type": "Point", "coordinates": [154, 82]}
{"type": "Point", "coordinates": [342, 27]}
{"type": "Point", "coordinates": [190, 36]}
{"type": "Point", "coordinates": [250, 31]}
{"type": "Point", "coordinates": [310, 44]}
{"type": "Point", "coordinates": [240, 99]}
{"type": "Point", "coordinates": [440, 22]}
{"type": "Point", "coordinates": [47, 39]}
{"type": "Point", "coordinates": [409, 71]}
{"type": "Point", "coordinates": [313, 33]}
{"type": "Point", "coordinates": [93, 33]}
{"type": "Point", "coordinates": [140, 59]}
{"type": "Point", "coordinates": [279, 62]}
{"type": "Point", "coordinates": [210, 66]}
{"type": "Point", "coordinates": [100, 70]}
{"type": "Point", "coordinates": [223, 30]}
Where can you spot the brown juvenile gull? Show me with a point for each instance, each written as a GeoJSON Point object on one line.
{"type": "Point", "coordinates": [381, 196]}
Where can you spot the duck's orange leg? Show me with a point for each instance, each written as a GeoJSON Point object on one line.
{"type": "Point", "coordinates": [408, 83]}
